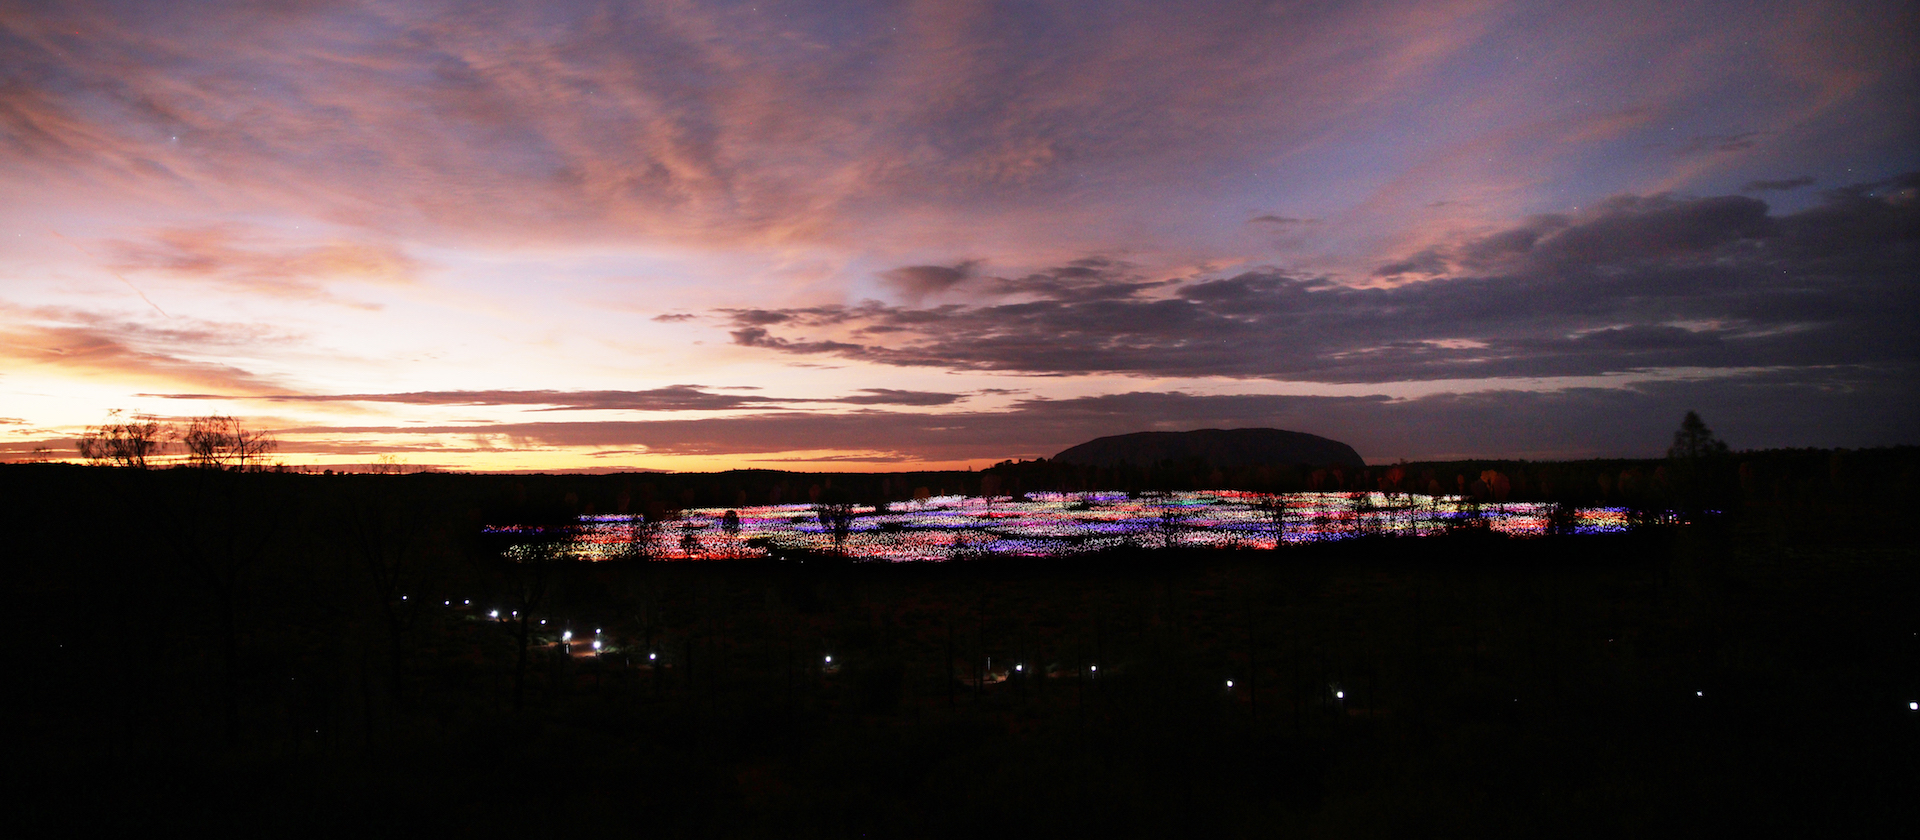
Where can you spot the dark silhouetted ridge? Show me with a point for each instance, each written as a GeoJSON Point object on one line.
{"type": "Point", "coordinates": [1220, 447]}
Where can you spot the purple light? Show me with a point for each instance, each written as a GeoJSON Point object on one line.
{"type": "Point", "coordinates": [1056, 524]}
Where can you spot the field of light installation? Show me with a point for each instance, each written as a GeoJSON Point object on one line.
{"type": "Point", "coordinates": [1057, 524]}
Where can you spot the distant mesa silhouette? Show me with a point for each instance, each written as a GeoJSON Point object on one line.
{"type": "Point", "coordinates": [1220, 447]}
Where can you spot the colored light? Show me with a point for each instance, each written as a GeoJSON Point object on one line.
{"type": "Point", "coordinates": [1056, 524]}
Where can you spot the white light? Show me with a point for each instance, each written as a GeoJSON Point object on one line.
{"type": "Point", "coordinates": [468, 602]}
{"type": "Point", "coordinates": [829, 659]}
{"type": "Point", "coordinates": [1093, 668]}
{"type": "Point", "coordinates": [566, 636]}
{"type": "Point", "coordinates": [1019, 667]}
{"type": "Point", "coordinates": [494, 614]}
{"type": "Point", "coordinates": [1229, 683]}
{"type": "Point", "coordinates": [1699, 694]}
{"type": "Point", "coordinates": [1913, 707]}
{"type": "Point", "coordinates": [596, 644]}
{"type": "Point", "coordinates": [596, 631]}
{"type": "Point", "coordinates": [652, 656]}
{"type": "Point", "coordinates": [449, 603]}
{"type": "Point", "coordinates": [1339, 695]}
{"type": "Point", "coordinates": [543, 622]}
{"type": "Point", "coordinates": [403, 597]}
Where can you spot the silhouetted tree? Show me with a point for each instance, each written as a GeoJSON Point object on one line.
{"type": "Point", "coordinates": [1274, 507]}
{"type": "Point", "coordinates": [123, 444]}
{"type": "Point", "coordinates": [1694, 441]}
{"type": "Point", "coordinates": [1692, 456]}
{"type": "Point", "coordinates": [838, 518]}
{"type": "Point", "coordinates": [217, 442]}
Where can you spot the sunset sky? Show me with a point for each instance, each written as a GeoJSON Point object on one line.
{"type": "Point", "coordinates": [879, 236]}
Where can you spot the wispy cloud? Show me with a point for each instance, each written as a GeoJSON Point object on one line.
{"type": "Point", "coordinates": [177, 352]}
{"type": "Point", "coordinates": [670, 398]}
{"type": "Point", "coordinates": [246, 261]}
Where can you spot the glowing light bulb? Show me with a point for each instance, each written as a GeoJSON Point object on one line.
{"type": "Point", "coordinates": [566, 636]}
{"type": "Point", "coordinates": [1229, 683]}
{"type": "Point", "coordinates": [403, 597]}
{"type": "Point", "coordinates": [1339, 695]}
{"type": "Point", "coordinates": [1699, 694]}
{"type": "Point", "coordinates": [652, 656]}
{"type": "Point", "coordinates": [1913, 707]}
{"type": "Point", "coordinates": [468, 602]}
{"type": "Point", "coordinates": [1093, 667]}
{"type": "Point", "coordinates": [494, 614]}
{"type": "Point", "coordinates": [596, 644]}
{"type": "Point", "coordinates": [1019, 667]}
{"type": "Point", "coordinates": [829, 659]}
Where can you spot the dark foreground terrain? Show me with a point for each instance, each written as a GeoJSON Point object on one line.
{"type": "Point", "coordinates": [224, 652]}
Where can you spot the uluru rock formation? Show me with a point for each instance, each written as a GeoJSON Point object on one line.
{"type": "Point", "coordinates": [1220, 447]}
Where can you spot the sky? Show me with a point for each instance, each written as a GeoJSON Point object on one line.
{"type": "Point", "coordinates": [870, 236]}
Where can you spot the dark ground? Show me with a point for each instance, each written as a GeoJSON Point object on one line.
{"type": "Point", "coordinates": [225, 652]}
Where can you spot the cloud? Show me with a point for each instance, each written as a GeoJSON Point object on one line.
{"type": "Point", "coordinates": [177, 353]}
{"type": "Point", "coordinates": [1714, 143]}
{"type": "Point", "coordinates": [691, 122]}
{"type": "Point", "coordinates": [1776, 186]}
{"type": "Point", "coordinates": [1844, 408]}
{"type": "Point", "coordinates": [1634, 284]}
{"type": "Point", "coordinates": [669, 398]}
{"type": "Point", "coordinates": [253, 262]}
{"type": "Point", "coordinates": [918, 281]}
